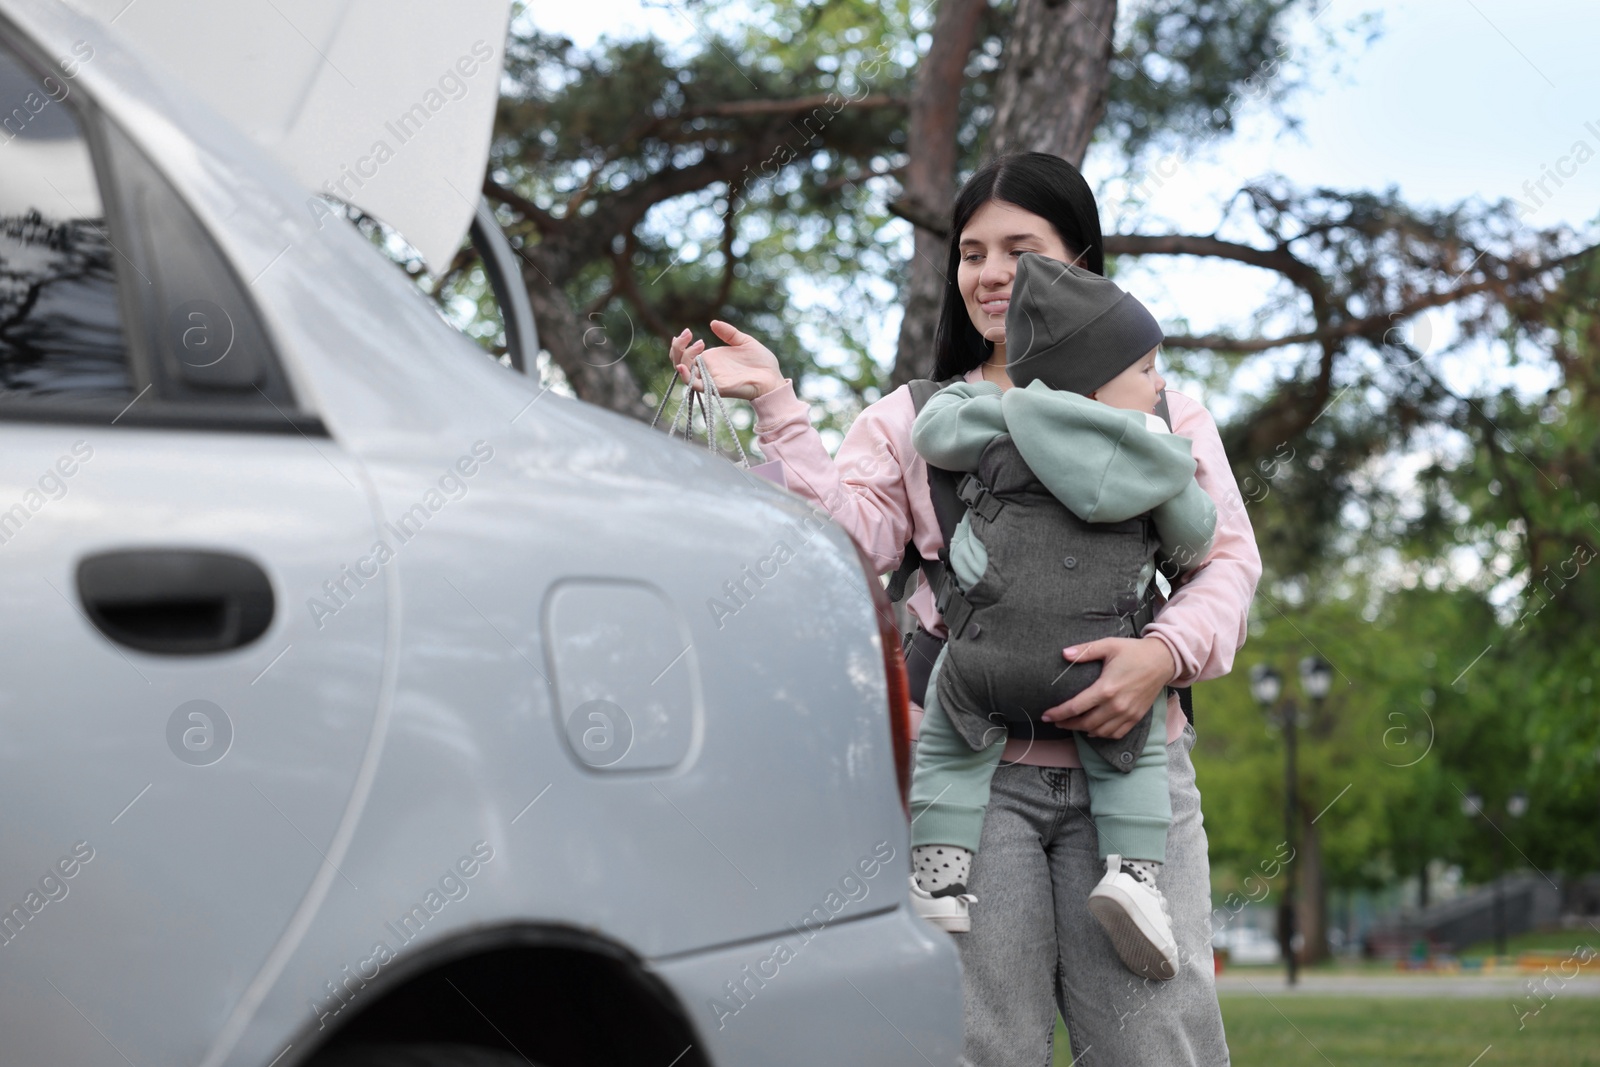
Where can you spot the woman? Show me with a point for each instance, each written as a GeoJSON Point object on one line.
{"type": "Point", "coordinates": [1033, 947]}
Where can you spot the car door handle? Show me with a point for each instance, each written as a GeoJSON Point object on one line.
{"type": "Point", "coordinates": [176, 602]}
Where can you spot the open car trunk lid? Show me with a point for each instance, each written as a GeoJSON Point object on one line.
{"type": "Point", "coordinates": [385, 104]}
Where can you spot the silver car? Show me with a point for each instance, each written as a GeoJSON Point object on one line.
{"type": "Point", "coordinates": [363, 701]}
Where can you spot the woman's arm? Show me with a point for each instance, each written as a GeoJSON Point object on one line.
{"type": "Point", "coordinates": [863, 489]}
{"type": "Point", "coordinates": [1205, 622]}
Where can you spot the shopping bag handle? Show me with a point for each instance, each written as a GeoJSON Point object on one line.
{"type": "Point", "coordinates": [708, 413]}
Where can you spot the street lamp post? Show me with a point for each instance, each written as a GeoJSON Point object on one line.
{"type": "Point", "coordinates": [1266, 685]}
{"type": "Point", "coordinates": [1316, 678]}
{"type": "Point", "coordinates": [1516, 806]}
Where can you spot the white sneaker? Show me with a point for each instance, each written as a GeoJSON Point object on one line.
{"type": "Point", "coordinates": [947, 913]}
{"type": "Point", "coordinates": [1135, 916]}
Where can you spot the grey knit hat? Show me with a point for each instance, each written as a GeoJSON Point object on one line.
{"type": "Point", "coordinates": [1072, 328]}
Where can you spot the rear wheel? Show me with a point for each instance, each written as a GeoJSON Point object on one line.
{"type": "Point", "coordinates": [384, 1055]}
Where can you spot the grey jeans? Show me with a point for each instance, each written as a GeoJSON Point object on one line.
{"type": "Point", "coordinates": [1035, 948]}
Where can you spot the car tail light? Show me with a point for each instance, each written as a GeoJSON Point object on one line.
{"type": "Point", "coordinates": [894, 670]}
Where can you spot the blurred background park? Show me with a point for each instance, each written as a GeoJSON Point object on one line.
{"type": "Point", "coordinates": [1369, 231]}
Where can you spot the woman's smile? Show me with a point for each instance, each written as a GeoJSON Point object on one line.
{"type": "Point", "coordinates": [993, 238]}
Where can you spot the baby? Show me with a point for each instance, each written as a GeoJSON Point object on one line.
{"type": "Point", "coordinates": [1075, 491]}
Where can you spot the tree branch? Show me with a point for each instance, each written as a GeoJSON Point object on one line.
{"type": "Point", "coordinates": [740, 108]}
{"type": "Point", "coordinates": [628, 285]}
{"type": "Point", "coordinates": [835, 184]}
{"type": "Point", "coordinates": [1368, 325]}
{"type": "Point", "coordinates": [1175, 244]}
{"type": "Point", "coordinates": [546, 222]}
{"type": "Point", "coordinates": [730, 231]}
{"type": "Point", "coordinates": [588, 237]}
{"type": "Point", "coordinates": [921, 216]}
{"type": "Point", "coordinates": [729, 109]}
{"type": "Point", "coordinates": [584, 352]}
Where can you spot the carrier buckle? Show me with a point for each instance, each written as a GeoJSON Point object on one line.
{"type": "Point", "coordinates": [953, 607]}
{"type": "Point", "coordinates": [975, 495]}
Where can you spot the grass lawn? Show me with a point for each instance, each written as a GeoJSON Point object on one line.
{"type": "Point", "coordinates": [1361, 1032]}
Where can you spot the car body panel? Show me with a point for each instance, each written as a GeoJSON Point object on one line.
{"type": "Point", "coordinates": [762, 781]}
{"type": "Point", "coordinates": [477, 749]}
{"type": "Point", "coordinates": [834, 994]}
{"type": "Point", "coordinates": [200, 855]}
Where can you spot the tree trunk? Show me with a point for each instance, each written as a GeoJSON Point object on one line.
{"type": "Point", "coordinates": [1050, 96]}
{"type": "Point", "coordinates": [586, 354]}
{"type": "Point", "coordinates": [923, 293]}
{"type": "Point", "coordinates": [1052, 90]}
{"type": "Point", "coordinates": [930, 177]}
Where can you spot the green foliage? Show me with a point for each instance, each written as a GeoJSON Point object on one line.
{"type": "Point", "coordinates": [1460, 615]}
{"type": "Point", "coordinates": [1370, 758]}
{"type": "Point", "coordinates": [664, 186]}
{"type": "Point", "coordinates": [1187, 67]}
{"type": "Point", "coordinates": [685, 190]}
{"type": "Point", "coordinates": [1522, 499]}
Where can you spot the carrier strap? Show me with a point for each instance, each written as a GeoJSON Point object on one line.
{"type": "Point", "coordinates": [947, 507]}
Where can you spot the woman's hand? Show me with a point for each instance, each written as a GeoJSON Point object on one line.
{"type": "Point", "coordinates": [743, 369]}
{"type": "Point", "coordinates": [1132, 673]}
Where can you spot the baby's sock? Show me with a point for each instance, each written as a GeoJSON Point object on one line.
{"type": "Point", "coordinates": [1144, 870]}
{"type": "Point", "coordinates": [941, 866]}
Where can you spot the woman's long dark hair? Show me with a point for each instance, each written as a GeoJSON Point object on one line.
{"type": "Point", "coordinates": [1046, 185]}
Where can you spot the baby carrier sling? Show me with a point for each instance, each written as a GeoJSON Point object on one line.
{"type": "Point", "coordinates": [1003, 668]}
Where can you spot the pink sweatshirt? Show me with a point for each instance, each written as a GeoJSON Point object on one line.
{"type": "Point", "coordinates": [877, 489]}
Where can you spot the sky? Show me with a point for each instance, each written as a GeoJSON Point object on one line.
{"type": "Point", "coordinates": [1454, 100]}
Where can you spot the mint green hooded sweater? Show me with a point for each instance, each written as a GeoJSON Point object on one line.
{"type": "Point", "coordinates": [1104, 464]}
